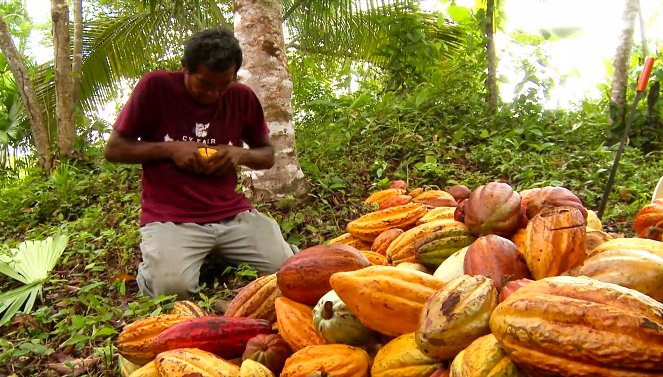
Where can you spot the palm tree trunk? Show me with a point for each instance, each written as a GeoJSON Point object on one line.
{"type": "Point", "coordinates": [259, 30]}
{"type": "Point", "coordinates": [77, 62]}
{"type": "Point", "coordinates": [38, 125]}
{"type": "Point", "coordinates": [621, 64]}
{"type": "Point", "coordinates": [491, 56]}
{"type": "Point", "coordinates": [64, 92]}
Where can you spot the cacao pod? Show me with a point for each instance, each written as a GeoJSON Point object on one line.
{"type": "Point", "coordinates": [337, 360]}
{"type": "Point", "coordinates": [455, 316]}
{"type": "Point", "coordinates": [133, 343]}
{"type": "Point", "coordinates": [256, 299]}
{"type": "Point", "coordinates": [270, 350]}
{"type": "Point", "coordinates": [495, 257]}
{"type": "Point", "coordinates": [384, 298]}
{"type": "Point", "coordinates": [295, 323]}
{"type": "Point", "coordinates": [578, 326]}
{"type": "Point", "coordinates": [493, 208]}
{"type": "Point", "coordinates": [400, 357]}
{"type": "Point", "coordinates": [185, 362]}
{"type": "Point", "coordinates": [220, 335]}
{"type": "Point", "coordinates": [555, 241]}
{"type": "Point", "coordinates": [304, 277]}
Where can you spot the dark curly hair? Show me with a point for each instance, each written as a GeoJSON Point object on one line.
{"type": "Point", "coordinates": [216, 48]}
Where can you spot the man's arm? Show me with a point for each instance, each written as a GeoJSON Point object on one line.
{"type": "Point", "coordinates": [260, 156]}
{"type": "Point", "coordinates": [184, 154]}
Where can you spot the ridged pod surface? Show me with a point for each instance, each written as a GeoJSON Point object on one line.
{"type": "Point", "coordinates": [437, 213]}
{"type": "Point", "coordinates": [484, 358]}
{"type": "Point", "coordinates": [369, 226]}
{"type": "Point", "coordinates": [378, 197]}
{"type": "Point", "coordinates": [577, 326]}
{"type": "Point", "coordinates": [350, 240]}
{"type": "Point", "coordinates": [400, 357]}
{"type": "Point", "coordinates": [493, 208]}
{"type": "Point", "coordinates": [375, 258]}
{"type": "Point", "coordinates": [496, 257]}
{"type": "Point", "coordinates": [436, 247]}
{"type": "Point", "coordinates": [552, 197]}
{"type": "Point", "coordinates": [188, 308]}
{"type": "Point", "coordinates": [295, 323]}
{"type": "Point", "coordinates": [394, 201]}
{"type": "Point", "coordinates": [648, 217]}
{"type": "Point", "coordinates": [338, 360]}
{"type": "Point", "coordinates": [651, 246]}
{"type": "Point", "coordinates": [256, 299]}
{"type": "Point", "coordinates": [635, 269]}
{"type": "Point", "coordinates": [220, 335]}
{"type": "Point", "coordinates": [555, 241]}
{"type": "Point", "coordinates": [404, 247]}
{"type": "Point", "coordinates": [435, 198]}
{"type": "Point", "coordinates": [455, 316]}
{"type": "Point", "coordinates": [186, 362]}
{"type": "Point", "coordinates": [304, 277]}
{"type": "Point", "coordinates": [133, 343]}
{"type": "Point", "coordinates": [384, 298]}
{"type": "Point", "coordinates": [269, 350]}
{"type": "Point", "coordinates": [384, 239]}
{"type": "Point", "coordinates": [250, 368]}
{"type": "Point", "coordinates": [452, 267]}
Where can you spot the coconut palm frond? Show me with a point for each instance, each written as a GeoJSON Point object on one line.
{"type": "Point", "coordinates": [116, 47]}
{"type": "Point", "coordinates": [358, 30]}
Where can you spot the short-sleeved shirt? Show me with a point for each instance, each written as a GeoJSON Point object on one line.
{"type": "Point", "coordinates": [160, 109]}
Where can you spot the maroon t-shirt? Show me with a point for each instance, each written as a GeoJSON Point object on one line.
{"type": "Point", "coordinates": [160, 109]}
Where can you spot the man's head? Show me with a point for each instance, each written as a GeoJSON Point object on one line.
{"type": "Point", "coordinates": [211, 59]}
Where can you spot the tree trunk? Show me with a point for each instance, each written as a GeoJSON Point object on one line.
{"type": "Point", "coordinates": [38, 125]}
{"type": "Point", "coordinates": [64, 100]}
{"type": "Point", "coordinates": [491, 56]}
{"type": "Point", "coordinates": [77, 62]}
{"type": "Point", "coordinates": [621, 64]}
{"type": "Point", "coordinates": [258, 28]}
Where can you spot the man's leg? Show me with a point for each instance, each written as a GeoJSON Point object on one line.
{"type": "Point", "coordinates": [252, 238]}
{"type": "Point", "coordinates": [172, 256]}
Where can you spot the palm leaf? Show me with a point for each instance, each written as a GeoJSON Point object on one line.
{"type": "Point", "coordinates": [125, 46]}
{"type": "Point", "coordinates": [30, 263]}
{"type": "Point", "coordinates": [357, 30]}
{"type": "Point", "coordinates": [12, 301]}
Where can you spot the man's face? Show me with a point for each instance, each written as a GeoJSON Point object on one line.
{"type": "Point", "coordinates": [206, 86]}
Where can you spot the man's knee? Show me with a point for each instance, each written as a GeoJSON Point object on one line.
{"type": "Point", "coordinates": [171, 284]}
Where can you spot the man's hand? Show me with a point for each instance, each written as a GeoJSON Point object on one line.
{"type": "Point", "coordinates": [186, 156]}
{"type": "Point", "coordinates": [227, 159]}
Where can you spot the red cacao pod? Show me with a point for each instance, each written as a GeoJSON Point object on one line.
{"type": "Point", "coordinates": [495, 257]}
{"type": "Point", "coordinates": [384, 239]}
{"type": "Point", "coordinates": [550, 197]}
{"type": "Point", "coordinates": [459, 213]}
{"type": "Point", "coordinates": [493, 208]}
{"type": "Point", "coordinates": [398, 184]}
{"type": "Point", "coordinates": [459, 192]}
{"type": "Point", "coordinates": [397, 200]}
{"type": "Point", "coordinates": [648, 221]}
{"type": "Point", "coordinates": [511, 287]}
{"type": "Point", "coordinates": [304, 277]}
{"type": "Point", "coordinates": [223, 336]}
{"type": "Point", "coordinates": [269, 350]}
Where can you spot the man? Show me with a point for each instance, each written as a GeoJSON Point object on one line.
{"type": "Point", "coordinates": [190, 206]}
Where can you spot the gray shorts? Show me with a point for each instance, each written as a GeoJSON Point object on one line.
{"type": "Point", "coordinates": [173, 253]}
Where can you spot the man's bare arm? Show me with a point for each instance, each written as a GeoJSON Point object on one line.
{"type": "Point", "coordinates": [184, 154]}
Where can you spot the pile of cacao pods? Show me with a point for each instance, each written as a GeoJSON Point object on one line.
{"type": "Point", "coordinates": [430, 282]}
